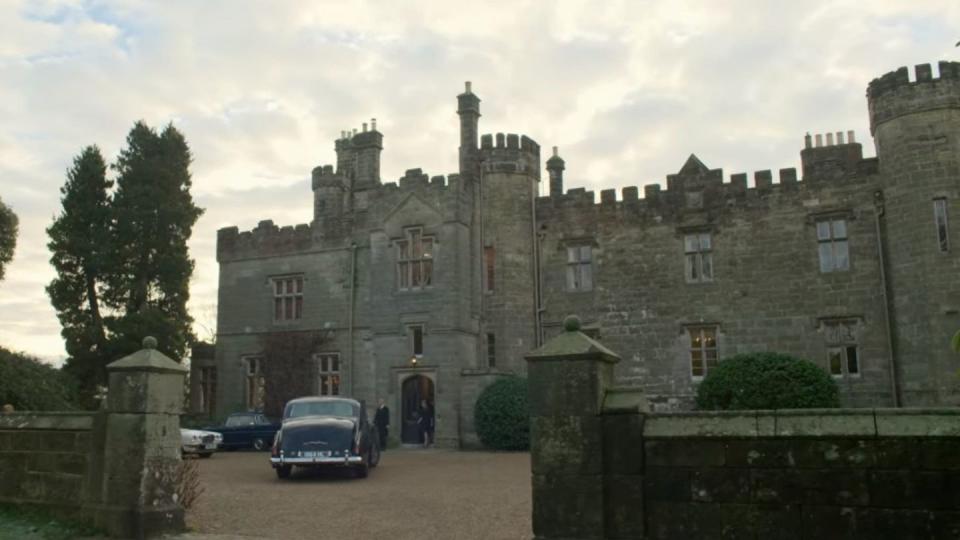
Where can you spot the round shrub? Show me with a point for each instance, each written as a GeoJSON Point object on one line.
{"type": "Point", "coordinates": [501, 415]}
{"type": "Point", "coordinates": [767, 381]}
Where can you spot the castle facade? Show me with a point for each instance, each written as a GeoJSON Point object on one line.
{"type": "Point", "coordinates": [431, 287]}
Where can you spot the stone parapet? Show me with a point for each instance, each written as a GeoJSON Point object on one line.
{"type": "Point", "coordinates": [894, 94]}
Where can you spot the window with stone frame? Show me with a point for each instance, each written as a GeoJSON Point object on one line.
{"type": "Point", "coordinates": [702, 350]}
{"type": "Point", "coordinates": [208, 389]}
{"type": "Point", "coordinates": [580, 268]}
{"type": "Point", "coordinates": [328, 374]}
{"type": "Point", "coordinates": [491, 350]}
{"type": "Point", "coordinates": [698, 254]}
{"type": "Point", "coordinates": [843, 352]}
{"type": "Point", "coordinates": [255, 387]}
{"type": "Point", "coordinates": [489, 258]}
{"type": "Point", "coordinates": [415, 260]}
{"type": "Point", "coordinates": [287, 298]}
{"type": "Point", "coordinates": [415, 334]}
{"type": "Point", "coordinates": [940, 220]}
{"type": "Point", "coordinates": [832, 245]}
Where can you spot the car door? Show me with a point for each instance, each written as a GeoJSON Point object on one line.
{"type": "Point", "coordinates": [237, 430]}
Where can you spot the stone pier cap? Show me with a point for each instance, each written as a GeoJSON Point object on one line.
{"type": "Point", "coordinates": [147, 359]}
{"type": "Point", "coordinates": [572, 344]}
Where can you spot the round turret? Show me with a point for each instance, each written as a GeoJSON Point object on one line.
{"type": "Point", "coordinates": [916, 129]}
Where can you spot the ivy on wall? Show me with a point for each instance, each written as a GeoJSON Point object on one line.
{"type": "Point", "coordinates": [289, 369]}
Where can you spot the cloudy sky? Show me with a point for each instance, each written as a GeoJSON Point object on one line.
{"type": "Point", "coordinates": [626, 89]}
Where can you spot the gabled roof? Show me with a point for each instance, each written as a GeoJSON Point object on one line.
{"type": "Point", "coordinates": [693, 167]}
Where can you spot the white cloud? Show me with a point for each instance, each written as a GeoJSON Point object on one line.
{"type": "Point", "coordinates": [627, 89]}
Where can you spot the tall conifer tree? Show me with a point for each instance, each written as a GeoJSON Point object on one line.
{"type": "Point", "coordinates": [153, 217]}
{"type": "Point", "coordinates": [79, 241]}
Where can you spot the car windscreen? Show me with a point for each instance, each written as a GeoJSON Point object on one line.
{"type": "Point", "coordinates": [320, 408]}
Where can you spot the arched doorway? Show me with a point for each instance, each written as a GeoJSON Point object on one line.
{"type": "Point", "coordinates": [414, 390]}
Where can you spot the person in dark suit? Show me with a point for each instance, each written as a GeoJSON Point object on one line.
{"type": "Point", "coordinates": [427, 423]}
{"type": "Point", "coordinates": [381, 420]}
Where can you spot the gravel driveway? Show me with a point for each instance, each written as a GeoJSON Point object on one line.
{"type": "Point", "coordinates": [412, 494]}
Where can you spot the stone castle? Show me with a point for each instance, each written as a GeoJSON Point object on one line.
{"type": "Point", "coordinates": [432, 287]}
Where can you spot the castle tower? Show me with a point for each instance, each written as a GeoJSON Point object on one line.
{"type": "Point", "coordinates": [510, 176]}
{"type": "Point", "coordinates": [358, 156]}
{"type": "Point", "coordinates": [555, 166]}
{"type": "Point", "coordinates": [916, 129]}
{"type": "Point", "coordinates": [468, 108]}
{"type": "Point", "coordinates": [367, 146]}
{"type": "Point", "coordinates": [328, 193]}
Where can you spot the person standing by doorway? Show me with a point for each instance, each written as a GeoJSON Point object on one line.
{"type": "Point", "coordinates": [382, 421]}
{"type": "Point", "coordinates": [427, 423]}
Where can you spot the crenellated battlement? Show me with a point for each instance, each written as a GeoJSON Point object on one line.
{"type": "Point", "coordinates": [266, 239]}
{"type": "Point", "coordinates": [324, 176]}
{"type": "Point", "coordinates": [894, 94]}
{"type": "Point", "coordinates": [510, 153]}
{"type": "Point", "coordinates": [698, 188]}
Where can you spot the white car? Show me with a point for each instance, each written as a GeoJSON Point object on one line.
{"type": "Point", "coordinates": [199, 442]}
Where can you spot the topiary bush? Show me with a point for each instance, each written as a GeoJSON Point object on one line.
{"type": "Point", "coordinates": [767, 380]}
{"type": "Point", "coordinates": [502, 416]}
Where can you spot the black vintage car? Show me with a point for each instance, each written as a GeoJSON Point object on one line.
{"type": "Point", "coordinates": [325, 432]}
{"type": "Point", "coordinates": [246, 430]}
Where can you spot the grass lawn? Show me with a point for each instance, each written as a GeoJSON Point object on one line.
{"type": "Point", "coordinates": [27, 524]}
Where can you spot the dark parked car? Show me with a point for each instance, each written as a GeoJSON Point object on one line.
{"type": "Point", "coordinates": [325, 432]}
{"type": "Point", "coordinates": [246, 430]}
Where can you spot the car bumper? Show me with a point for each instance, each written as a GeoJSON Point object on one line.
{"type": "Point", "coordinates": [349, 460]}
{"type": "Point", "coordinates": [199, 448]}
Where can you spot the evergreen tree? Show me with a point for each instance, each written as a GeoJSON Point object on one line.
{"type": "Point", "coordinates": [153, 217]}
{"type": "Point", "coordinates": [79, 241]}
{"type": "Point", "coordinates": [8, 235]}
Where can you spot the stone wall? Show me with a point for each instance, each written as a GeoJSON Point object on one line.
{"type": "Point", "coordinates": [114, 468]}
{"type": "Point", "coordinates": [45, 458]}
{"type": "Point", "coordinates": [603, 466]}
{"type": "Point", "coordinates": [884, 473]}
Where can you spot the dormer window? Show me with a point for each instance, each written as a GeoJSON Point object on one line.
{"type": "Point", "coordinates": [415, 260]}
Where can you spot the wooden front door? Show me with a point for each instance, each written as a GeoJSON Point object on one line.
{"type": "Point", "coordinates": [415, 389]}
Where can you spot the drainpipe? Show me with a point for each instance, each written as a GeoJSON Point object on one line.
{"type": "Point", "coordinates": [536, 269]}
{"type": "Point", "coordinates": [353, 301]}
{"type": "Point", "coordinates": [878, 212]}
{"type": "Point", "coordinates": [483, 265]}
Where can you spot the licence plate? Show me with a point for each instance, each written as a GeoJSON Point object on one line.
{"type": "Point", "coordinates": [323, 453]}
{"type": "Point", "coordinates": [210, 446]}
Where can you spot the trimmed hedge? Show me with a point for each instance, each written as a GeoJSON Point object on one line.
{"type": "Point", "coordinates": [502, 416]}
{"type": "Point", "coordinates": [767, 380]}
{"type": "Point", "coordinates": [30, 385]}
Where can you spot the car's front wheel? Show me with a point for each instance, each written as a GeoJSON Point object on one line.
{"type": "Point", "coordinates": [259, 444]}
{"type": "Point", "coordinates": [283, 471]}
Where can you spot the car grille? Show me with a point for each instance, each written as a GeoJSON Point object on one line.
{"type": "Point", "coordinates": [207, 439]}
